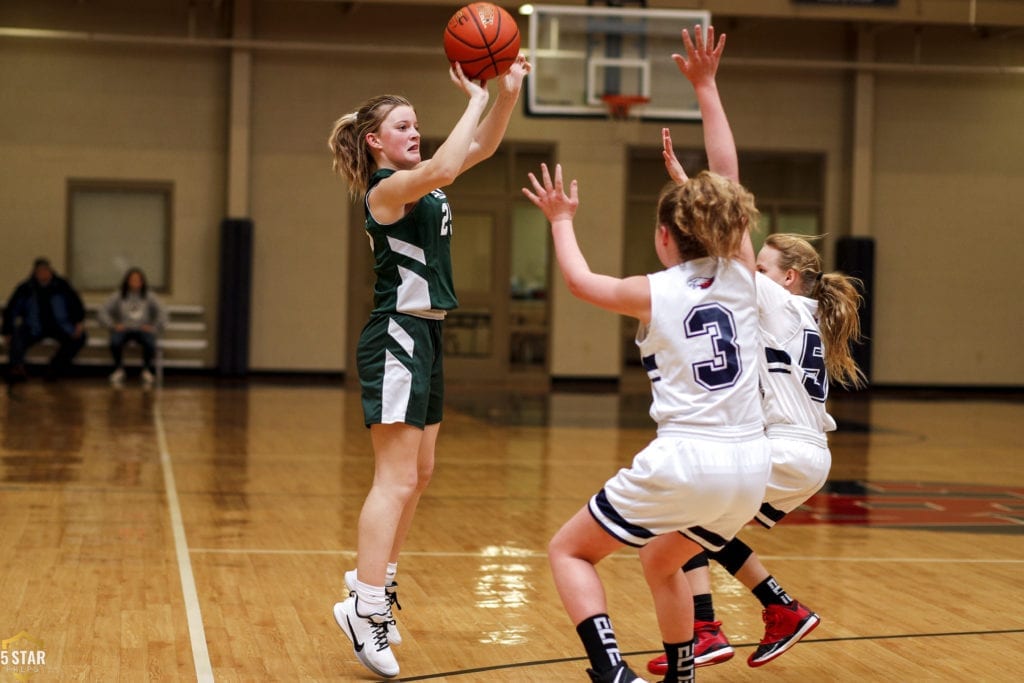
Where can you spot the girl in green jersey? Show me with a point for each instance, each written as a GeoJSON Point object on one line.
{"type": "Point", "coordinates": [376, 150]}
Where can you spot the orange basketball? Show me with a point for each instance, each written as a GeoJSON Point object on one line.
{"type": "Point", "coordinates": [483, 38]}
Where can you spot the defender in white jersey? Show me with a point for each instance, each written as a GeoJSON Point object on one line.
{"type": "Point", "coordinates": [795, 386]}
{"type": "Point", "coordinates": [800, 355]}
{"type": "Point", "coordinates": [700, 352]}
{"type": "Point", "coordinates": [703, 476]}
{"type": "Point", "coordinates": [400, 354]}
{"type": "Point", "coordinates": [808, 319]}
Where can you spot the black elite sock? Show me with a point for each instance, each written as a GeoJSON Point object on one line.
{"type": "Point", "coordinates": [703, 607]}
{"type": "Point", "coordinates": [680, 662]}
{"type": "Point", "coordinates": [771, 593]}
{"type": "Point", "coordinates": [599, 641]}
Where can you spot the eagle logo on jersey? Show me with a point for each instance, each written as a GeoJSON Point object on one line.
{"type": "Point", "coordinates": [700, 282]}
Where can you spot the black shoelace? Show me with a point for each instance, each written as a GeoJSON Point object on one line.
{"type": "Point", "coordinates": [380, 633]}
{"type": "Point", "coordinates": [392, 593]}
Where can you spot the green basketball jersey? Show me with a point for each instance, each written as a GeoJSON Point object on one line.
{"type": "Point", "coordinates": [412, 256]}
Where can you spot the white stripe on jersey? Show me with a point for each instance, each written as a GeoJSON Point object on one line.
{"type": "Point", "coordinates": [413, 291]}
{"type": "Point", "coordinates": [702, 346]}
{"type": "Point", "coordinates": [406, 249]}
{"type": "Point", "coordinates": [793, 380]}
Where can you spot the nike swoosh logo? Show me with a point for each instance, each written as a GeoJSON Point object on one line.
{"type": "Point", "coordinates": [355, 641]}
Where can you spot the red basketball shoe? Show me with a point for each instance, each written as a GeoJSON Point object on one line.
{"type": "Point", "coordinates": [710, 647]}
{"type": "Point", "coordinates": [784, 626]}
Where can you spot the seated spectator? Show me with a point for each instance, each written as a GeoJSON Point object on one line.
{"type": "Point", "coordinates": [43, 306]}
{"type": "Point", "coordinates": [133, 313]}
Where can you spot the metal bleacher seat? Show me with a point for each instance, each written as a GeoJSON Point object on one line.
{"type": "Point", "coordinates": [182, 344]}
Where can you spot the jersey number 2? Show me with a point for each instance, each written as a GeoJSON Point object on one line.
{"type": "Point", "coordinates": [725, 367]}
{"type": "Point", "coordinates": [446, 219]}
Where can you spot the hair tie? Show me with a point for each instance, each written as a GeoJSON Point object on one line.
{"type": "Point", "coordinates": [818, 276]}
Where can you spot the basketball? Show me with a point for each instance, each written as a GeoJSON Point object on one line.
{"type": "Point", "coordinates": [483, 38]}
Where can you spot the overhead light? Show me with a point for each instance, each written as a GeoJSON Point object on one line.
{"type": "Point", "coordinates": [526, 10]}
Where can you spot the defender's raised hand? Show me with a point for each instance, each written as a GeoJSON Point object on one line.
{"type": "Point", "coordinates": [702, 55]}
{"type": "Point", "coordinates": [549, 196]}
{"type": "Point", "coordinates": [672, 165]}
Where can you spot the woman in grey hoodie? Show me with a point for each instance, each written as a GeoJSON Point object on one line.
{"type": "Point", "coordinates": [133, 313]}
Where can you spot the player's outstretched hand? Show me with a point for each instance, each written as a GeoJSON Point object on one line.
{"type": "Point", "coordinates": [512, 80]}
{"type": "Point", "coordinates": [672, 165]}
{"type": "Point", "coordinates": [549, 196]}
{"type": "Point", "coordinates": [473, 89]}
{"type": "Point", "coordinates": [702, 54]}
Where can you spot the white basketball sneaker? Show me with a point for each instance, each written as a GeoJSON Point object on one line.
{"type": "Point", "coordinates": [369, 636]}
{"type": "Point", "coordinates": [394, 637]}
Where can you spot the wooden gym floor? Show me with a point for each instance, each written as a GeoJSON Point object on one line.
{"type": "Point", "coordinates": [201, 533]}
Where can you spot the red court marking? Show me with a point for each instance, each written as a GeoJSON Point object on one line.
{"type": "Point", "coordinates": [914, 505]}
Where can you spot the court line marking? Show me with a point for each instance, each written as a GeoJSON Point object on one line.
{"type": "Point", "coordinates": [639, 653]}
{"type": "Point", "coordinates": [197, 634]}
{"type": "Point", "coordinates": [533, 554]}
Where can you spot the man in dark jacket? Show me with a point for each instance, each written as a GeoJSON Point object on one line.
{"type": "Point", "coordinates": [44, 305]}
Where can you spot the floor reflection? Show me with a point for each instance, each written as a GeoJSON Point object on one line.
{"type": "Point", "coordinates": [129, 423]}
{"type": "Point", "coordinates": [43, 432]}
{"type": "Point", "coordinates": [230, 459]}
{"type": "Point", "coordinates": [506, 586]}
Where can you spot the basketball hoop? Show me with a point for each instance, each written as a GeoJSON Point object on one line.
{"type": "Point", "coordinates": [619, 105]}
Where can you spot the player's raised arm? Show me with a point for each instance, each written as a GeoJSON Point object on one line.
{"type": "Point", "coordinates": [699, 66]}
{"type": "Point", "coordinates": [629, 296]}
{"type": "Point", "coordinates": [492, 128]}
{"type": "Point", "coordinates": [407, 186]}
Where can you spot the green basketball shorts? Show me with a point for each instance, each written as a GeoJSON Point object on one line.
{"type": "Point", "coordinates": [401, 370]}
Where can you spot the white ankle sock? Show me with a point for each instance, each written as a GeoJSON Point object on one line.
{"type": "Point", "coordinates": [371, 599]}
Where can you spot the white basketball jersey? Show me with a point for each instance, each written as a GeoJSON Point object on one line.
{"type": "Point", "coordinates": [702, 346]}
{"type": "Point", "coordinates": [795, 383]}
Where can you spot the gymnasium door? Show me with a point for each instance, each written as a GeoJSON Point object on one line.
{"type": "Point", "coordinates": [476, 334]}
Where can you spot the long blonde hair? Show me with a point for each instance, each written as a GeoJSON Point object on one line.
{"type": "Point", "coordinates": [347, 142]}
{"type": "Point", "coordinates": [707, 215]}
{"type": "Point", "coordinates": [838, 301]}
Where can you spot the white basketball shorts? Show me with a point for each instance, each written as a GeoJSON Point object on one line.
{"type": "Point", "coordinates": [706, 489]}
{"type": "Point", "coordinates": [799, 470]}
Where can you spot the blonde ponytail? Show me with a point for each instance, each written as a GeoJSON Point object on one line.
{"type": "Point", "coordinates": [838, 298]}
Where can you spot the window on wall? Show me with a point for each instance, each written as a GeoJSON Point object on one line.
{"type": "Point", "coordinates": [790, 191]}
{"type": "Point", "coordinates": [117, 225]}
{"type": "Point", "coordinates": [789, 188]}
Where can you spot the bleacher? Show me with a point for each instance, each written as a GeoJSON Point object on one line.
{"type": "Point", "coordinates": [182, 345]}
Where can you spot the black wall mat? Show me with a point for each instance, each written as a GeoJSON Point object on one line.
{"type": "Point", "coordinates": [856, 256]}
{"type": "Point", "coordinates": [235, 297]}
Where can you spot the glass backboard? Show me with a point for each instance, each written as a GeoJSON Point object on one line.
{"type": "Point", "coordinates": [581, 55]}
